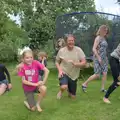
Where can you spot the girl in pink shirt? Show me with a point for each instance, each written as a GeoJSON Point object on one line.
{"type": "Point", "coordinates": [30, 80]}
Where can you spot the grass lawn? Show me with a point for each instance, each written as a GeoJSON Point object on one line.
{"type": "Point", "coordinates": [87, 106]}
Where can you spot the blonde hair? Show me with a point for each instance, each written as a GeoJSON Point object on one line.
{"type": "Point", "coordinates": [101, 28]}
{"type": "Point", "coordinates": [42, 54]}
{"type": "Point", "coordinates": [26, 51]}
{"type": "Point", "coordinates": [62, 41]}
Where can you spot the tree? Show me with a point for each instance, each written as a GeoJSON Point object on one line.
{"type": "Point", "coordinates": [11, 35]}
{"type": "Point", "coordinates": [39, 17]}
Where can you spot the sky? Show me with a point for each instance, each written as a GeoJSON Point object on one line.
{"type": "Point", "coordinates": [108, 6]}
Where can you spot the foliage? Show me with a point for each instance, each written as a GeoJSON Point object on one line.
{"type": "Point", "coordinates": [86, 106]}
{"type": "Point", "coordinates": [84, 27]}
{"type": "Point", "coordinates": [38, 19]}
{"type": "Point", "coordinates": [39, 16]}
{"type": "Point", "coordinates": [11, 35]}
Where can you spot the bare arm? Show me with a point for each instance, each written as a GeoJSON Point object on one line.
{"type": "Point", "coordinates": [96, 43]}
{"type": "Point", "coordinates": [19, 66]}
{"type": "Point", "coordinates": [28, 83]}
{"type": "Point", "coordinates": [59, 59]}
{"type": "Point", "coordinates": [46, 73]}
{"type": "Point", "coordinates": [43, 61]}
{"type": "Point", "coordinates": [57, 63]}
{"type": "Point", "coordinates": [60, 71]}
{"type": "Point", "coordinates": [8, 74]}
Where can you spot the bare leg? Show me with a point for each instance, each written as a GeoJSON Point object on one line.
{"type": "Point", "coordinates": [2, 88]}
{"type": "Point", "coordinates": [27, 105]}
{"type": "Point", "coordinates": [42, 94]}
{"type": "Point", "coordinates": [62, 89]}
{"type": "Point", "coordinates": [104, 77]}
{"type": "Point", "coordinates": [72, 96]}
{"type": "Point", "coordinates": [91, 78]}
{"type": "Point", "coordinates": [33, 108]}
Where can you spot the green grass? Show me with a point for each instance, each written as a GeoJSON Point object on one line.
{"type": "Point", "coordinates": [87, 106]}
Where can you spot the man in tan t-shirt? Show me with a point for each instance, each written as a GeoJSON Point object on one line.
{"type": "Point", "coordinates": [69, 60]}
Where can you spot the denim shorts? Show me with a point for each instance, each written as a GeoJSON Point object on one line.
{"type": "Point", "coordinates": [4, 82]}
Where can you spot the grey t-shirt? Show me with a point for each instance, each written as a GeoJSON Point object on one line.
{"type": "Point", "coordinates": [76, 55]}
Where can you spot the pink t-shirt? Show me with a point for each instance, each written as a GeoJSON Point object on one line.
{"type": "Point", "coordinates": [31, 73]}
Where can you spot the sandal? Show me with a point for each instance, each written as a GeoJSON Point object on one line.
{"type": "Point", "coordinates": [103, 90]}
{"type": "Point", "coordinates": [84, 88]}
{"type": "Point", "coordinates": [59, 95]}
{"type": "Point", "coordinates": [106, 100]}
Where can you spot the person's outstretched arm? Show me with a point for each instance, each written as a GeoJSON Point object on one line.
{"type": "Point", "coordinates": [8, 77]}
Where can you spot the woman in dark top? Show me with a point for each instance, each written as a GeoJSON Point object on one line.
{"type": "Point", "coordinates": [5, 84]}
{"type": "Point", "coordinates": [115, 69]}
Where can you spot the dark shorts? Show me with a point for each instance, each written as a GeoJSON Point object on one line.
{"type": "Point", "coordinates": [30, 97]}
{"type": "Point", "coordinates": [72, 84]}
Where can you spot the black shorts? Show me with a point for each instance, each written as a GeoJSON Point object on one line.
{"type": "Point", "coordinates": [72, 84]}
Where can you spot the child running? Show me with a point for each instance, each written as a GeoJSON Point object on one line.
{"type": "Point", "coordinates": [30, 80]}
{"type": "Point", "coordinates": [42, 58]}
{"type": "Point", "coordinates": [5, 83]}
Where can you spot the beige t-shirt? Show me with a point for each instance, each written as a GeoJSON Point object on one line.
{"type": "Point", "coordinates": [76, 55]}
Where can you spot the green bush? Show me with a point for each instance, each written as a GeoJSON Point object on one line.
{"type": "Point", "coordinates": [7, 52]}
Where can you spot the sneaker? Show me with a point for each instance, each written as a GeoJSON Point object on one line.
{"type": "Point", "coordinates": [106, 100]}
{"type": "Point", "coordinates": [38, 108]}
{"type": "Point", "coordinates": [84, 88]}
{"type": "Point", "coordinates": [103, 90]}
{"type": "Point", "coordinates": [119, 77]}
{"type": "Point", "coordinates": [69, 94]}
{"type": "Point", "coordinates": [27, 105]}
{"type": "Point", "coordinates": [59, 95]}
{"type": "Point", "coordinates": [118, 83]}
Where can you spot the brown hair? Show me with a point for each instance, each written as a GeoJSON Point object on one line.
{"type": "Point", "coordinates": [42, 54]}
{"type": "Point", "coordinates": [69, 35]}
{"type": "Point", "coordinates": [101, 28]}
